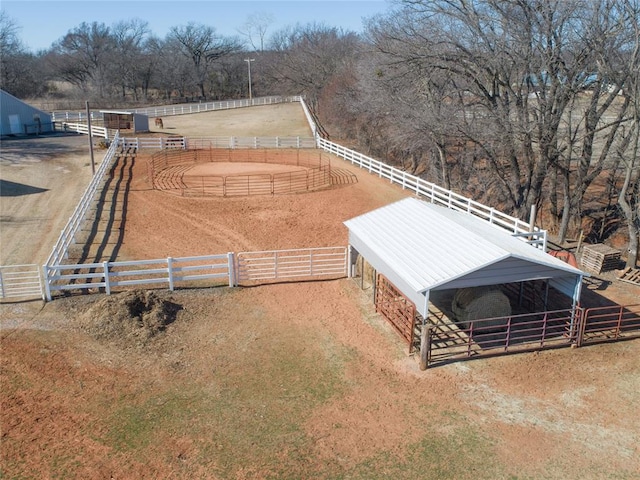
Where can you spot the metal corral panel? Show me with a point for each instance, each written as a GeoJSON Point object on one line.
{"type": "Point", "coordinates": [19, 118]}
{"type": "Point", "coordinates": [420, 247]}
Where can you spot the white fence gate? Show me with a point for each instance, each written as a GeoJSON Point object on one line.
{"type": "Point", "coordinates": [168, 271]}
{"type": "Point", "coordinates": [20, 281]}
{"type": "Point", "coordinates": [330, 262]}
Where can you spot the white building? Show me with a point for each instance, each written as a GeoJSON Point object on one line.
{"type": "Point", "coordinates": [19, 118]}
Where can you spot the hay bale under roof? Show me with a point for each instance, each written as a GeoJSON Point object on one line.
{"type": "Point", "coordinates": [477, 303]}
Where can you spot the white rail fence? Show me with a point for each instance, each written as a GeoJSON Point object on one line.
{"type": "Point", "coordinates": [251, 142]}
{"type": "Point", "coordinates": [169, 143]}
{"type": "Point", "coordinates": [21, 281]}
{"type": "Point", "coordinates": [96, 131]}
{"type": "Point", "coordinates": [67, 235]}
{"type": "Point", "coordinates": [231, 269]}
{"type": "Point", "coordinates": [440, 196]}
{"type": "Point", "coordinates": [108, 275]}
{"type": "Point", "coordinates": [291, 264]}
{"type": "Point", "coordinates": [182, 109]}
{"type": "Point", "coordinates": [183, 143]}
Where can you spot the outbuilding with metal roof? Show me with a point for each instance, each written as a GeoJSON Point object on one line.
{"type": "Point", "coordinates": [423, 248]}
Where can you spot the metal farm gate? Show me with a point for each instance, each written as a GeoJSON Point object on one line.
{"type": "Point", "coordinates": [20, 281]}
{"type": "Point", "coordinates": [329, 262]}
{"type": "Point", "coordinates": [608, 324]}
{"type": "Point", "coordinates": [399, 311]}
{"type": "Point", "coordinates": [456, 340]}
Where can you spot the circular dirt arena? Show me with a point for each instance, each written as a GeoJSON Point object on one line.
{"type": "Point", "coordinates": [239, 172]}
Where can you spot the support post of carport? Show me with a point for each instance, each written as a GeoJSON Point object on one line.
{"type": "Point", "coordinates": [425, 335]}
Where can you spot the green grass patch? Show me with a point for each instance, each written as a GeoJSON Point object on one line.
{"type": "Point", "coordinates": [250, 414]}
{"type": "Point", "coordinates": [463, 452]}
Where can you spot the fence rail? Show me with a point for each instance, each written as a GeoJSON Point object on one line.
{"type": "Point", "coordinates": [327, 262]}
{"type": "Point", "coordinates": [533, 331]}
{"type": "Point", "coordinates": [109, 275]}
{"type": "Point", "coordinates": [183, 143]}
{"type": "Point", "coordinates": [161, 143]}
{"type": "Point", "coordinates": [182, 109]}
{"type": "Point", "coordinates": [438, 195]}
{"type": "Point", "coordinates": [96, 131]}
{"type": "Point", "coordinates": [291, 264]}
{"type": "Point", "coordinates": [67, 235]}
{"type": "Point", "coordinates": [20, 281]}
{"type": "Point", "coordinates": [604, 324]}
{"type": "Point", "coordinates": [251, 142]}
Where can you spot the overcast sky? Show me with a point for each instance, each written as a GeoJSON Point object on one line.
{"type": "Point", "coordinates": [43, 22]}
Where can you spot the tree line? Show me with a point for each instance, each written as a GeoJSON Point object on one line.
{"type": "Point", "coordinates": [516, 103]}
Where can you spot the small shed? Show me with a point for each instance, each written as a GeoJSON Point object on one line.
{"type": "Point", "coordinates": [123, 120]}
{"type": "Point", "coordinates": [421, 251]}
{"type": "Point", "coordinates": [421, 247]}
{"type": "Point", "coordinates": [20, 118]}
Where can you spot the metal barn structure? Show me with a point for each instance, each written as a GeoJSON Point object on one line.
{"type": "Point", "coordinates": [419, 250]}
{"type": "Point", "coordinates": [123, 120]}
{"type": "Point", "coordinates": [20, 118]}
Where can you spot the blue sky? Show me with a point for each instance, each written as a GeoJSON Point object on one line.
{"type": "Point", "coordinates": [43, 22]}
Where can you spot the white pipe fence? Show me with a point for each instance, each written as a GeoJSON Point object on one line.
{"type": "Point", "coordinates": [67, 235]}
{"type": "Point", "coordinates": [325, 262]}
{"type": "Point", "coordinates": [96, 131]}
{"type": "Point", "coordinates": [107, 275]}
{"type": "Point", "coordinates": [438, 195]}
{"type": "Point", "coordinates": [181, 109]}
{"type": "Point", "coordinates": [251, 142]}
{"type": "Point", "coordinates": [187, 108]}
{"type": "Point", "coordinates": [291, 264]}
{"type": "Point", "coordinates": [161, 143]}
{"type": "Point", "coordinates": [307, 113]}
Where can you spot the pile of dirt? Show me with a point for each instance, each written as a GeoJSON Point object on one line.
{"type": "Point", "coordinates": [130, 318]}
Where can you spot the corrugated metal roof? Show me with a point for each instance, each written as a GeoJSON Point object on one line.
{"type": "Point", "coordinates": [429, 246]}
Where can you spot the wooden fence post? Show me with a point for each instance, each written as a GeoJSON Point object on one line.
{"type": "Point", "coordinates": [425, 345]}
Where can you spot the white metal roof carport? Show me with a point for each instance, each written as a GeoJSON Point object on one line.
{"type": "Point", "coordinates": [422, 247]}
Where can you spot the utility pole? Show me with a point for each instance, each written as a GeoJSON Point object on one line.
{"type": "Point", "coordinates": [93, 163]}
{"type": "Point", "coordinates": [249, 60]}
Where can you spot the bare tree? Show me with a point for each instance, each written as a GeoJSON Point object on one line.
{"type": "Point", "coordinates": [521, 69]}
{"type": "Point", "coordinates": [128, 59]}
{"type": "Point", "coordinates": [305, 58]}
{"type": "Point", "coordinates": [255, 29]}
{"type": "Point", "coordinates": [83, 57]}
{"type": "Point", "coordinates": [628, 150]}
{"type": "Point", "coordinates": [200, 44]}
{"type": "Point", "coordinates": [19, 73]}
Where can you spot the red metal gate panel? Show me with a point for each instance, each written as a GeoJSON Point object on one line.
{"type": "Point", "coordinates": [605, 324]}
{"type": "Point", "coordinates": [399, 311]}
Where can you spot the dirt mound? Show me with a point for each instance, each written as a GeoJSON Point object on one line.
{"type": "Point", "coordinates": [131, 317]}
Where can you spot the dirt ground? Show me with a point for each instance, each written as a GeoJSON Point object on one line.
{"type": "Point", "coordinates": [281, 120]}
{"type": "Point", "coordinates": [293, 380]}
{"type": "Point", "coordinates": [42, 180]}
